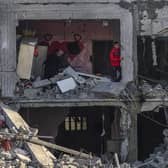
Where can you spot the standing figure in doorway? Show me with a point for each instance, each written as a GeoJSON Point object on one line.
{"type": "Point", "coordinates": [115, 62]}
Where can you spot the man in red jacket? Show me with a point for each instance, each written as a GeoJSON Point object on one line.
{"type": "Point", "coordinates": [115, 62]}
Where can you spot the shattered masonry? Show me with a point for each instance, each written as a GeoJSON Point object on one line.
{"type": "Point", "coordinates": [138, 18]}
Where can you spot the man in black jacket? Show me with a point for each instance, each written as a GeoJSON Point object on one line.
{"type": "Point", "coordinates": [55, 63]}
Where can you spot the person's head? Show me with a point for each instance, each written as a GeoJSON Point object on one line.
{"type": "Point", "coordinates": [77, 37]}
{"type": "Point", "coordinates": [59, 52]}
{"type": "Point", "coordinates": [117, 44]}
{"type": "Point", "coordinates": [48, 37]}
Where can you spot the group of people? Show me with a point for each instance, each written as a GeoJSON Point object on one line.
{"type": "Point", "coordinates": [61, 53]}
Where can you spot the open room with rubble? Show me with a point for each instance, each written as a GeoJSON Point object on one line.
{"type": "Point", "coordinates": [83, 73]}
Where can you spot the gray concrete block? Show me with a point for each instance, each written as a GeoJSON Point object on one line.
{"type": "Point", "coordinates": [70, 71]}
{"type": "Point", "coordinates": [66, 85]}
{"type": "Point", "coordinates": [41, 83]}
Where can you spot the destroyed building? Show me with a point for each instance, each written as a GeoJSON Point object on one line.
{"type": "Point", "coordinates": [80, 106]}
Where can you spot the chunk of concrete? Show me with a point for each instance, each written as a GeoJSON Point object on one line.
{"type": "Point", "coordinates": [13, 120]}
{"type": "Point", "coordinates": [25, 61]}
{"type": "Point", "coordinates": [40, 155]}
{"type": "Point", "coordinates": [66, 85]}
{"type": "Point", "coordinates": [109, 88]}
{"type": "Point", "coordinates": [32, 93]}
{"type": "Point", "coordinates": [41, 83]}
{"type": "Point", "coordinates": [71, 72]}
{"type": "Point", "coordinates": [23, 158]}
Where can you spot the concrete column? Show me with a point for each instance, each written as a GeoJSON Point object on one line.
{"type": "Point", "coordinates": [132, 135]}
{"type": "Point", "coordinates": [7, 52]}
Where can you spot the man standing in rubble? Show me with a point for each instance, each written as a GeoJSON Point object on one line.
{"type": "Point", "coordinates": [115, 62]}
{"type": "Point", "coordinates": [55, 63]}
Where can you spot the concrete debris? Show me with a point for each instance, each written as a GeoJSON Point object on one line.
{"type": "Point", "coordinates": [68, 84]}
{"type": "Point", "coordinates": [41, 83]}
{"type": "Point", "coordinates": [20, 147]}
{"type": "Point", "coordinates": [74, 74]}
{"type": "Point", "coordinates": [150, 91]}
{"type": "Point", "coordinates": [109, 88]}
{"type": "Point", "coordinates": [14, 151]}
{"type": "Point", "coordinates": [159, 159]}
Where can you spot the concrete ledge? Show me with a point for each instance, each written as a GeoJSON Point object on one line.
{"type": "Point", "coordinates": [68, 102]}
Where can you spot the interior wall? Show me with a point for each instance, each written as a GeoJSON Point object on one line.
{"type": "Point", "coordinates": [89, 30]}
{"type": "Point", "coordinates": [46, 120]}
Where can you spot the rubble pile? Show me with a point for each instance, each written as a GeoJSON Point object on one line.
{"type": "Point", "coordinates": [68, 84]}
{"type": "Point", "coordinates": [150, 91]}
{"type": "Point", "coordinates": [159, 159]}
{"type": "Point", "coordinates": [20, 147]}
{"type": "Point", "coordinates": [15, 151]}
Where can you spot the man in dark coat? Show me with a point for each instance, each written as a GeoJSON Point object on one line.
{"type": "Point", "coordinates": [55, 63]}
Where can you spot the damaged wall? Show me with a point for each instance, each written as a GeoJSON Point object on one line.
{"type": "Point", "coordinates": [153, 17]}
{"type": "Point", "coordinates": [25, 10]}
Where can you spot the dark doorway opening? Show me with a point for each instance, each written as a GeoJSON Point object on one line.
{"type": "Point", "coordinates": [150, 132]}
{"type": "Point", "coordinates": [83, 129]}
{"type": "Point", "coordinates": [101, 51]}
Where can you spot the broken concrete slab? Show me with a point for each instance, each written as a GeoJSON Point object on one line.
{"type": "Point", "coordinates": [13, 120]}
{"type": "Point", "coordinates": [41, 83]}
{"type": "Point", "coordinates": [109, 88]}
{"type": "Point", "coordinates": [66, 85]}
{"type": "Point", "coordinates": [40, 155]}
{"type": "Point", "coordinates": [32, 93]}
{"type": "Point", "coordinates": [150, 106]}
{"type": "Point", "coordinates": [71, 72]}
{"type": "Point", "coordinates": [29, 151]}
{"type": "Point", "coordinates": [25, 61]}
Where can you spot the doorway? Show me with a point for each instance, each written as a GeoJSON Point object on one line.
{"type": "Point", "coordinates": [101, 51]}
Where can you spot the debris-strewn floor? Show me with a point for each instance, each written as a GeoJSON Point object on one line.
{"type": "Point", "coordinates": [69, 84]}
